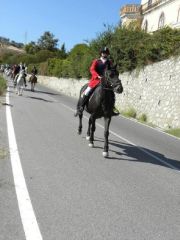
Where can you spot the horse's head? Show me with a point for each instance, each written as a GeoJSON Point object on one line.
{"type": "Point", "coordinates": [112, 79]}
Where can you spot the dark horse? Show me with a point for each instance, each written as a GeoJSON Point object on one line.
{"type": "Point", "coordinates": [101, 104]}
{"type": "Point", "coordinates": [33, 81]}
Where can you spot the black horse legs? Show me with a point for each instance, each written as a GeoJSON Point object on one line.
{"type": "Point", "coordinates": [107, 121]}
{"type": "Point", "coordinates": [91, 130]}
{"type": "Point", "coordinates": [80, 124]}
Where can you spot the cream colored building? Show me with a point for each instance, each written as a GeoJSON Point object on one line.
{"type": "Point", "coordinates": [154, 14]}
{"type": "Point", "coordinates": [130, 13]}
{"type": "Point", "coordinates": [157, 14]}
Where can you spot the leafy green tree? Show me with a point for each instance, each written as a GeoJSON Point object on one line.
{"type": "Point", "coordinates": [31, 48]}
{"type": "Point", "coordinates": [47, 42]}
{"type": "Point", "coordinates": [66, 69]}
{"type": "Point", "coordinates": [103, 39]}
{"type": "Point", "coordinates": [44, 55]}
{"type": "Point", "coordinates": [78, 56]}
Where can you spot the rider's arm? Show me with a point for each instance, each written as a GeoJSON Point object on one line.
{"type": "Point", "coordinates": [93, 69]}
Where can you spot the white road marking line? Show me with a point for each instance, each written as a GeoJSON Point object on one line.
{"type": "Point", "coordinates": [131, 143]}
{"type": "Point", "coordinates": [28, 217]}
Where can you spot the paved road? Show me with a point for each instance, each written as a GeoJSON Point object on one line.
{"type": "Point", "coordinates": [76, 194]}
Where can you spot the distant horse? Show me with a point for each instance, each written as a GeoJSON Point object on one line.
{"type": "Point", "coordinates": [101, 104]}
{"type": "Point", "coordinates": [33, 81]}
{"type": "Point", "coordinates": [20, 83]}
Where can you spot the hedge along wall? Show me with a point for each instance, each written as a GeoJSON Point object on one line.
{"type": "Point", "coordinates": [153, 91]}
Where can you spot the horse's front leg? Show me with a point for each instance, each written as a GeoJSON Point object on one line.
{"type": "Point", "coordinates": [80, 124]}
{"type": "Point", "coordinates": [33, 86]}
{"type": "Point", "coordinates": [107, 121]}
{"type": "Point", "coordinates": [92, 130]}
{"type": "Point", "coordinates": [21, 90]}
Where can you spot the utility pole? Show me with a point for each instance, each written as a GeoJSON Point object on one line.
{"type": "Point", "coordinates": [25, 38]}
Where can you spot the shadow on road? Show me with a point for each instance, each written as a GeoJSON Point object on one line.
{"type": "Point", "coordinates": [140, 154]}
{"type": "Point", "coordinates": [44, 92]}
{"type": "Point", "coordinates": [41, 99]}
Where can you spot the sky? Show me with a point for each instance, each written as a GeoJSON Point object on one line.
{"type": "Point", "coordinates": [70, 21]}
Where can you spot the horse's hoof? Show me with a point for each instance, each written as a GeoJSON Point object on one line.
{"type": "Point", "coordinates": [91, 145]}
{"type": "Point", "coordinates": [79, 132]}
{"type": "Point", "coordinates": [105, 154]}
{"type": "Point", "coordinates": [87, 138]}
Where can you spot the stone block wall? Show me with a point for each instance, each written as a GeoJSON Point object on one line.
{"type": "Point", "coordinates": [153, 91]}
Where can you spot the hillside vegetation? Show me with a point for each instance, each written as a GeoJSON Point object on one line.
{"type": "Point", "coordinates": [130, 49]}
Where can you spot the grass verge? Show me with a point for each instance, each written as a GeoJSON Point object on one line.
{"type": "Point", "coordinates": [175, 132]}
{"type": "Point", "coordinates": [3, 153]}
{"type": "Point", "coordinates": [3, 85]}
{"type": "Point", "coordinates": [131, 112]}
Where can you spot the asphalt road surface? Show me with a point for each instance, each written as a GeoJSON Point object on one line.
{"type": "Point", "coordinates": [54, 187]}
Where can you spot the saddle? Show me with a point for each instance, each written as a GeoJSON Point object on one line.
{"type": "Point", "coordinates": [91, 93]}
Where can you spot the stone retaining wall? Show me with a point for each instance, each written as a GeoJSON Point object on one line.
{"type": "Point", "coordinates": [153, 91]}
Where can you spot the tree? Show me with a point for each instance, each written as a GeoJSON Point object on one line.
{"type": "Point", "coordinates": [80, 58]}
{"type": "Point", "coordinates": [61, 53]}
{"type": "Point", "coordinates": [31, 48]}
{"type": "Point", "coordinates": [47, 42]}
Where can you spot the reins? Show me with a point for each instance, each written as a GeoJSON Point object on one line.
{"type": "Point", "coordinates": [107, 81]}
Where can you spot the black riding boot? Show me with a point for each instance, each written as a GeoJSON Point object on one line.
{"type": "Point", "coordinates": [82, 105]}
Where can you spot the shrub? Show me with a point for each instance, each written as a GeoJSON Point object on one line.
{"type": "Point", "coordinates": [130, 48]}
{"type": "Point", "coordinates": [131, 112]}
{"type": "Point", "coordinates": [142, 118]}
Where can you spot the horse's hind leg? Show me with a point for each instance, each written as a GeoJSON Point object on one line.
{"type": "Point", "coordinates": [89, 129]}
{"type": "Point", "coordinates": [107, 122]}
{"type": "Point", "coordinates": [21, 90]}
{"type": "Point", "coordinates": [32, 87]}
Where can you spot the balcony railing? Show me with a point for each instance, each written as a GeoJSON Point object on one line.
{"type": "Point", "coordinates": [148, 6]}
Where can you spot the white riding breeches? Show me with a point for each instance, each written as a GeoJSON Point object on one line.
{"type": "Point", "coordinates": [87, 91]}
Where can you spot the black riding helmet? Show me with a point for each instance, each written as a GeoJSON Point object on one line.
{"type": "Point", "coordinates": [105, 50]}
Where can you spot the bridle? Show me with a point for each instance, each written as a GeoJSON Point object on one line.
{"type": "Point", "coordinates": [106, 82]}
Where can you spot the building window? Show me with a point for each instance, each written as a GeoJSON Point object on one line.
{"type": "Point", "coordinates": [145, 26]}
{"type": "Point", "coordinates": [149, 2]}
{"type": "Point", "coordinates": [178, 16]}
{"type": "Point", "coordinates": [161, 21]}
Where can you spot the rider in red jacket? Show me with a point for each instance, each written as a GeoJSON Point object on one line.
{"type": "Point", "coordinates": [97, 69]}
